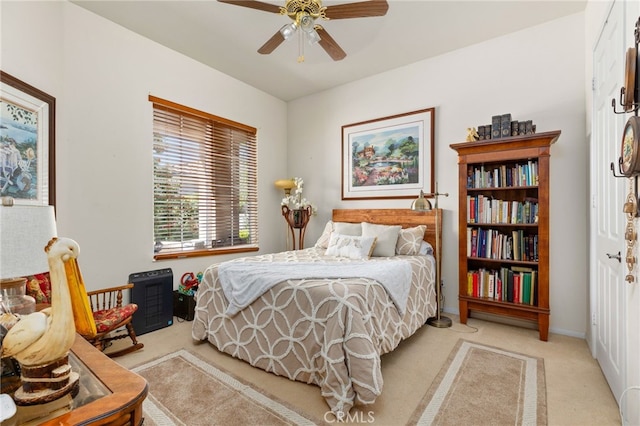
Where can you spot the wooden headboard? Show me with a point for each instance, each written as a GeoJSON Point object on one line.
{"type": "Point", "coordinates": [405, 217]}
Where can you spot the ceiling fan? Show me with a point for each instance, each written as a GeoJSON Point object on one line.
{"type": "Point", "coordinates": [304, 14]}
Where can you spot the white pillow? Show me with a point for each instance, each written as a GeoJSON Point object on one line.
{"type": "Point", "coordinates": [410, 239]}
{"type": "Point", "coordinates": [346, 228]}
{"type": "Point", "coordinates": [323, 241]}
{"type": "Point", "coordinates": [351, 246]}
{"type": "Point", "coordinates": [387, 238]}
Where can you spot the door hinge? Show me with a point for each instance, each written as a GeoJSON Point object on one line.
{"type": "Point", "coordinates": [593, 318]}
{"type": "Point", "coordinates": [593, 84]}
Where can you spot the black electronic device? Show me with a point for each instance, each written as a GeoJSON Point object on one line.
{"type": "Point", "coordinates": [184, 306]}
{"type": "Point", "coordinates": [153, 293]}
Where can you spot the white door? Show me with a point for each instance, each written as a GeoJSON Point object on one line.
{"type": "Point", "coordinates": [608, 292]}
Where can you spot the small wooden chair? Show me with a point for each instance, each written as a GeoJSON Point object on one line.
{"type": "Point", "coordinates": [110, 315]}
{"type": "Point", "coordinates": [102, 316]}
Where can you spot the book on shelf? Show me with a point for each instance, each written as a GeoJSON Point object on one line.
{"type": "Point", "coordinates": [518, 268]}
{"type": "Point", "coordinates": [528, 278]}
{"type": "Point", "coordinates": [496, 129]}
{"type": "Point", "coordinates": [505, 125]}
{"type": "Point", "coordinates": [482, 250]}
{"type": "Point", "coordinates": [534, 291]}
{"type": "Point", "coordinates": [474, 242]}
{"type": "Point", "coordinates": [516, 288]}
{"type": "Point", "coordinates": [521, 174]}
{"type": "Point", "coordinates": [529, 127]}
{"type": "Point", "coordinates": [480, 133]}
{"type": "Point", "coordinates": [484, 209]}
{"type": "Point", "coordinates": [522, 128]}
{"type": "Point", "coordinates": [526, 287]}
{"type": "Point", "coordinates": [514, 128]}
{"type": "Point", "coordinates": [508, 284]}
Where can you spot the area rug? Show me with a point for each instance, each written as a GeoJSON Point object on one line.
{"type": "Point", "coordinates": [482, 385]}
{"type": "Point", "coordinates": [186, 390]}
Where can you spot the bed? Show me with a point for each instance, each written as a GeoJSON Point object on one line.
{"type": "Point", "coordinates": [322, 329]}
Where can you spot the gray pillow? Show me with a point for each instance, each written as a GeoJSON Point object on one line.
{"type": "Point", "coordinates": [346, 228]}
{"type": "Point", "coordinates": [387, 238]}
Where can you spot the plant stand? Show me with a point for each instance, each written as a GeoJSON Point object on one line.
{"type": "Point", "coordinates": [297, 219]}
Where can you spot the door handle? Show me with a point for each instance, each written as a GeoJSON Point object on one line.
{"type": "Point", "coordinates": [615, 256]}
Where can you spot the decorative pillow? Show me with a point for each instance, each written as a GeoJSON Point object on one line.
{"type": "Point", "coordinates": [39, 287]}
{"type": "Point", "coordinates": [346, 228]}
{"type": "Point", "coordinates": [351, 246]}
{"type": "Point", "coordinates": [387, 238]}
{"type": "Point", "coordinates": [323, 241]}
{"type": "Point", "coordinates": [410, 239]}
{"type": "Point", "coordinates": [426, 248]}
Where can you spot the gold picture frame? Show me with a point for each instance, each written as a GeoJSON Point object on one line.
{"type": "Point", "coordinates": [27, 142]}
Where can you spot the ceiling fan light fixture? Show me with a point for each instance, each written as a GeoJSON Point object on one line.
{"type": "Point", "coordinates": [306, 22]}
{"type": "Point", "coordinates": [313, 37]}
{"type": "Point", "coordinates": [305, 14]}
{"type": "Point", "coordinates": [288, 30]}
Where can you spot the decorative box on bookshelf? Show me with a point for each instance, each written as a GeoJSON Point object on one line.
{"type": "Point", "coordinates": [504, 214]}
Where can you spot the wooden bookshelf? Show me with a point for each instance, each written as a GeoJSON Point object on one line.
{"type": "Point", "coordinates": [503, 187]}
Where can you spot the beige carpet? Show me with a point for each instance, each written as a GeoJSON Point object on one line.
{"type": "Point", "coordinates": [478, 384]}
{"type": "Point", "coordinates": [577, 392]}
{"type": "Point", "coordinates": [484, 385]}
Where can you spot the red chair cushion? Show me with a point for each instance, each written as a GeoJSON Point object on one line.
{"type": "Point", "coordinates": [39, 287]}
{"type": "Point", "coordinates": [106, 319]}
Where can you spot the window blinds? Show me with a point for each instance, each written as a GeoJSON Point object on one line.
{"type": "Point", "coordinates": [205, 190]}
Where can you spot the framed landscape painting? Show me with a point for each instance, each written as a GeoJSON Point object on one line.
{"type": "Point", "coordinates": [27, 143]}
{"type": "Point", "coordinates": [389, 157]}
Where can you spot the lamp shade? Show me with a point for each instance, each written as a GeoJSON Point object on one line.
{"type": "Point", "coordinates": [285, 184]}
{"type": "Point", "coordinates": [421, 204]}
{"type": "Point", "coordinates": [24, 233]}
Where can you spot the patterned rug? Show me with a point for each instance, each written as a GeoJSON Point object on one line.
{"type": "Point", "coordinates": [477, 385]}
{"type": "Point", "coordinates": [481, 385]}
{"type": "Point", "coordinates": [185, 390]}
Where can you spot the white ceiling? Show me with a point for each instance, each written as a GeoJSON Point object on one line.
{"type": "Point", "coordinates": [227, 37]}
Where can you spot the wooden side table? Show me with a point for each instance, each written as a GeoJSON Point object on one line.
{"type": "Point", "coordinates": [109, 393]}
{"type": "Point", "coordinates": [297, 219]}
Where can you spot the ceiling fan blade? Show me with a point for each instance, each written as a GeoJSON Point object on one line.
{"type": "Point", "coordinates": [330, 45]}
{"type": "Point", "coordinates": [253, 4]}
{"type": "Point", "coordinates": [362, 9]}
{"type": "Point", "coordinates": [271, 44]}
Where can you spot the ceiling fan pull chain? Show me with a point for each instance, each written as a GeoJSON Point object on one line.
{"type": "Point", "coordinates": [300, 46]}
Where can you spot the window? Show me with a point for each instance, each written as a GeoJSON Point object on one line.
{"type": "Point", "coordinates": [204, 183]}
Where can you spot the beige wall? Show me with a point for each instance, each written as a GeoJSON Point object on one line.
{"type": "Point", "coordinates": [542, 80]}
{"type": "Point", "coordinates": [101, 75]}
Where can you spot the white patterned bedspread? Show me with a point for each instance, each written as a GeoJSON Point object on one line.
{"type": "Point", "coordinates": [327, 331]}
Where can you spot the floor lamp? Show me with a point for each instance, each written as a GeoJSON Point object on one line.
{"type": "Point", "coordinates": [422, 204]}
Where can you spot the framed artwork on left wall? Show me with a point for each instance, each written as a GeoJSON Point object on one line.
{"type": "Point", "coordinates": [27, 143]}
